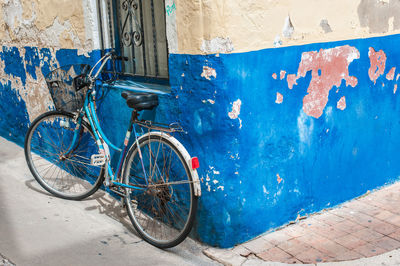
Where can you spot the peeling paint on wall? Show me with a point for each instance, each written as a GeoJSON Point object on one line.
{"type": "Point", "coordinates": [208, 72]}
{"type": "Point", "coordinates": [279, 98]}
{"type": "Point", "coordinates": [60, 24]}
{"type": "Point", "coordinates": [391, 73]}
{"type": "Point", "coordinates": [291, 80]}
{"type": "Point", "coordinates": [29, 84]}
{"type": "Point", "coordinates": [328, 68]}
{"type": "Point", "coordinates": [278, 178]}
{"type": "Point", "coordinates": [25, 69]}
{"type": "Point", "coordinates": [23, 90]}
{"type": "Point", "coordinates": [378, 64]}
{"type": "Point", "coordinates": [341, 104]}
{"type": "Point", "coordinates": [217, 45]}
{"type": "Point", "coordinates": [282, 74]}
{"type": "Point", "coordinates": [234, 114]}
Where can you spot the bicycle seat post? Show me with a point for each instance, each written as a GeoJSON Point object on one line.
{"type": "Point", "coordinates": [134, 115]}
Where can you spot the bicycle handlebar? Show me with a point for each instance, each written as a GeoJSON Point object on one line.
{"type": "Point", "coordinates": [114, 56]}
{"type": "Point", "coordinates": [110, 55]}
{"type": "Point", "coordinates": [122, 58]}
{"type": "Point", "coordinates": [86, 79]}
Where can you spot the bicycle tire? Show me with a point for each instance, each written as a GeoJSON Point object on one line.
{"type": "Point", "coordinates": [75, 177]}
{"type": "Point", "coordinates": [166, 204]}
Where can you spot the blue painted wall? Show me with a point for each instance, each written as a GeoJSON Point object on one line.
{"type": "Point", "coordinates": [14, 118]}
{"type": "Point", "coordinates": [320, 162]}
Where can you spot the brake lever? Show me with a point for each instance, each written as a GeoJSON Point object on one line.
{"type": "Point", "coordinates": [122, 58]}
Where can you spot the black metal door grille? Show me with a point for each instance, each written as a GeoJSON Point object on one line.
{"type": "Point", "coordinates": [137, 30]}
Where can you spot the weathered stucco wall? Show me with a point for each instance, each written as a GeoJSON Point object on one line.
{"type": "Point", "coordinates": [291, 106]}
{"type": "Point", "coordinates": [285, 132]}
{"type": "Point", "coordinates": [59, 24]}
{"type": "Point", "coordinates": [207, 26]}
{"type": "Point", "coordinates": [28, 26]}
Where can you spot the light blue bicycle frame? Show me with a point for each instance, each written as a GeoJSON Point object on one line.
{"type": "Point", "coordinates": [89, 110]}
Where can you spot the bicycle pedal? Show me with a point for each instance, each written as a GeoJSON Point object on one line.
{"type": "Point", "coordinates": [98, 159]}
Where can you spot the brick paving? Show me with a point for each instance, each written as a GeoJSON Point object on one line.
{"type": "Point", "coordinates": [362, 228]}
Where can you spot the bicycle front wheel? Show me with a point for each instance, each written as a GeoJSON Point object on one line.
{"type": "Point", "coordinates": [59, 162]}
{"type": "Point", "coordinates": [162, 206]}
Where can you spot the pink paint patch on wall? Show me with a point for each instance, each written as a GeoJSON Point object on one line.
{"type": "Point", "coordinates": [390, 74]}
{"type": "Point", "coordinates": [341, 104]}
{"type": "Point", "coordinates": [278, 178]}
{"type": "Point", "coordinates": [279, 98]}
{"type": "Point", "coordinates": [291, 80]}
{"type": "Point", "coordinates": [282, 74]}
{"type": "Point", "coordinates": [395, 89]}
{"type": "Point", "coordinates": [378, 64]}
{"type": "Point", "coordinates": [274, 76]}
{"type": "Point", "coordinates": [328, 68]}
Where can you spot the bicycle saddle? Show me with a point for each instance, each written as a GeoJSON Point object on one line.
{"type": "Point", "coordinates": [140, 100]}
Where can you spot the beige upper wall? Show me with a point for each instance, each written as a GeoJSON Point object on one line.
{"type": "Point", "coordinates": [64, 11]}
{"type": "Point", "coordinates": [47, 23]}
{"type": "Point", "coordinates": [206, 26]}
{"type": "Point", "coordinates": [209, 26]}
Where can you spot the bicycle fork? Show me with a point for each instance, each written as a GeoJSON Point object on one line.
{"type": "Point", "coordinates": [104, 156]}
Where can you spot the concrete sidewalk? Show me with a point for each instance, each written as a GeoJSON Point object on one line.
{"type": "Point", "coordinates": [39, 229]}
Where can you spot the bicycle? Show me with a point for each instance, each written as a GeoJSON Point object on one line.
{"type": "Point", "coordinates": [69, 155]}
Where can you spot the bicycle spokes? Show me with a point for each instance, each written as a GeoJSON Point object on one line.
{"type": "Point", "coordinates": [163, 211]}
{"type": "Point", "coordinates": [59, 156]}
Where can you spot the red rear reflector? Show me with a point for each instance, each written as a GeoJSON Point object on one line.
{"type": "Point", "coordinates": [195, 163]}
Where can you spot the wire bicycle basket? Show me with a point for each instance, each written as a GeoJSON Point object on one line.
{"type": "Point", "coordinates": [66, 94]}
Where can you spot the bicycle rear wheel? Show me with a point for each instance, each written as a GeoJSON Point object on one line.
{"type": "Point", "coordinates": [162, 209]}
{"type": "Point", "coordinates": [61, 165]}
